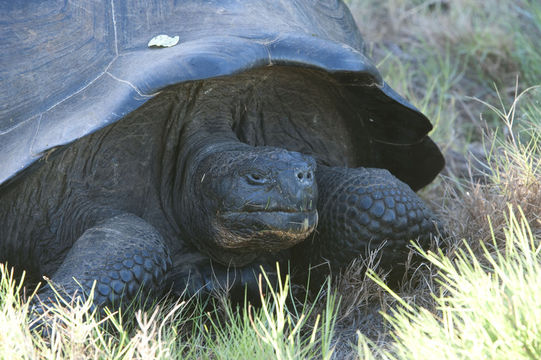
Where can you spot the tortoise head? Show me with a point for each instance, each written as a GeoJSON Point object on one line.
{"type": "Point", "coordinates": [247, 202]}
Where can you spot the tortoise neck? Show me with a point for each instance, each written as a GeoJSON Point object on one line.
{"type": "Point", "coordinates": [203, 135]}
{"type": "Point", "coordinates": [198, 127]}
{"type": "Point", "coordinates": [206, 130]}
{"type": "Point", "coordinates": [208, 124]}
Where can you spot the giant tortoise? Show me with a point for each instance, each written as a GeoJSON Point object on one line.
{"type": "Point", "coordinates": [264, 135]}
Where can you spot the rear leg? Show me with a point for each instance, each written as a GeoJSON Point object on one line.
{"type": "Point", "coordinates": [363, 209]}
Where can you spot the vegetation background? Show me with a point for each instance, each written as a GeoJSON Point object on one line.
{"type": "Point", "coordinates": [474, 68]}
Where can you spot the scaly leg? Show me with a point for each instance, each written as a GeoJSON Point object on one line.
{"type": "Point", "coordinates": [123, 254]}
{"type": "Point", "coordinates": [359, 210]}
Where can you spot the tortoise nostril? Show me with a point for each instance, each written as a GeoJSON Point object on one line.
{"type": "Point", "coordinates": [305, 176]}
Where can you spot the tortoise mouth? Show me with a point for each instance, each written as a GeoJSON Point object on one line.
{"type": "Point", "coordinates": [267, 230]}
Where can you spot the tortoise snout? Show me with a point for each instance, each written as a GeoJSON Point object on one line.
{"type": "Point", "coordinates": [299, 186]}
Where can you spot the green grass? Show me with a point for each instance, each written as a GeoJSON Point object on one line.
{"type": "Point", "coordinates": [486, 306]}
{"type": "Point", "coordinates": [474, 68]}
{"type": "Point", "coordinates": [187, 330]}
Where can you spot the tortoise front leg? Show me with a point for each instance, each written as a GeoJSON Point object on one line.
{"type": "Point", "coordinates": [360, 210]}
{"type": "Point", "coordinates": [123, 254]}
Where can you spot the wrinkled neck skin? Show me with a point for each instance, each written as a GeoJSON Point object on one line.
{"type": "Point", "coordinates": [207, 131]}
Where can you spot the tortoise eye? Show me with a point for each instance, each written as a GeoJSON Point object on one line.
{"type": "Point", "coordinates": [256, 179]}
